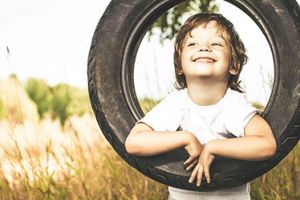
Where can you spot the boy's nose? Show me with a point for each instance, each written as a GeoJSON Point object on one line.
{"type": "Point", "coordinates": [204, 48]}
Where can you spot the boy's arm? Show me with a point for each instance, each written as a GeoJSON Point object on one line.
{"type": "Point", "coordinates": [257, 144]}
{"type": "Point", "coordinates": [144, 141]}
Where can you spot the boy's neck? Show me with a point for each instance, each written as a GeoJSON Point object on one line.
{"type": "Point", "coordinates": [207, 94]}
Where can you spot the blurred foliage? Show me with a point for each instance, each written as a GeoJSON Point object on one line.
{"type": "Point", "coordinates": [13, 76]}
{"type": "Point", "coordinates": [68, 100]}
{"type": "Point", "coordinates": [258, 106]}
{"type": "Point", "coordinates": [39, 91]}
{"type": "Point", "coordinates": [170, 21]}
{"type": "Point", "coordinates": [61, 101]}
{"type": "Point", "coordinates": [147, 103]}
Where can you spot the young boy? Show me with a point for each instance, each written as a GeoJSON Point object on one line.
{"type": "Point", "coordinates": [208, 115]}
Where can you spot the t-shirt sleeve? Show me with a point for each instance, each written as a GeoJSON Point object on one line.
{"type": "Point", "coordinates": [166, 115]}
{"type": "Point", "coordinates": [238, 116]}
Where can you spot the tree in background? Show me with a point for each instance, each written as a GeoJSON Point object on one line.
{"type": "Point", "coordinates": [40, 92]}
{"type": "Point", "coordinates": [169, 22]}
{"type": "Point", "coordinates": [68, 101]}
{"type": "Point", "coordinates": [60, 101]}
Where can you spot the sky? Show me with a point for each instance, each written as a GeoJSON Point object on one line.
{"type": "Point", "coordinates": [50, 39]}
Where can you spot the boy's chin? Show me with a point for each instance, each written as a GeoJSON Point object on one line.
{"type": "Point", "coordinates": [208, 77]}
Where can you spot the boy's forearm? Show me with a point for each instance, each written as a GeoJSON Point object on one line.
{"type": "Point", "coordinates": [148, 143]}
{"type": "Point", "coordinates": [244, 148]}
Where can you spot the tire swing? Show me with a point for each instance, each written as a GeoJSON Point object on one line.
{"type": "Point", "coordinates": [114, 101]}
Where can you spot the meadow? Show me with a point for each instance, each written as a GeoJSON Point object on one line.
{"type": "Point", "coordinates": [43, 158]}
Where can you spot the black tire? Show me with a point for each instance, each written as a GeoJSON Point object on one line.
{"type": "Point", "coordinates": [111, 87]}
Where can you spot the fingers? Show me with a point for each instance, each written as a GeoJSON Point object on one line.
{"type": "Point", "coordinates": [189, 160]}
{"type": "Point", "coordinates": [199, 176]}
{"type": "Point", "coordinates": [194, 174]}
{"type": "Point", "coordinates": [192, 165]}
{"type": "Point", "coordinates": [202, 167]}
{"type": "Point", "coordinates": [207, 167]}
{"type": "Point", "coordinates": [197, 173]}
{"type": "Point", "coordinates": [206, 173]}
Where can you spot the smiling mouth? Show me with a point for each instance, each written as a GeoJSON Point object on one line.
{"type": "Point", "coordinates": [204, 60]}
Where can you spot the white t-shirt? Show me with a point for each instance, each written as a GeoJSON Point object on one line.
{"type": "Point", "coordinates": [225, 119]}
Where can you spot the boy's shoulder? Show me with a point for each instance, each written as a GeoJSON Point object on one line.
{"type": "Point", "coordinates": [234, 97]}
{"type": "Point", "coordinates": [238, 103]}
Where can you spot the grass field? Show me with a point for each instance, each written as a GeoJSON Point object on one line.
{"type": "Point", "coordinates": [47, 161]}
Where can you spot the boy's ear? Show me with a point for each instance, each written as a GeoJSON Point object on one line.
{"type": "Point", "coordinates": [179, 71]}
{"type": "Point", "coordinates": [234, 70]}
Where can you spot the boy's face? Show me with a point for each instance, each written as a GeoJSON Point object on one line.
{"type": "Point", "coordinates": [206, 54]}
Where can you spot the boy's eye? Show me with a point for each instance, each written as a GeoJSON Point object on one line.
{"type": "Point", "coordinates": [191, 44]}
{"type": "Point", "coordinates": [216, 44]}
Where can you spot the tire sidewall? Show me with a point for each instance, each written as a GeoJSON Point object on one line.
{"type": "Point", "coordinates": [110, 75]}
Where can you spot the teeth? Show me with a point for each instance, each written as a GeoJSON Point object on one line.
{"type": "Point", "coordinates": [206, 60]}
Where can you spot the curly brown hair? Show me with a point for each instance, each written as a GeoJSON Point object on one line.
{"type": "Point", "coordinates": [237, 48]}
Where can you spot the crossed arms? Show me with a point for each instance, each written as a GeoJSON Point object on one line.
{"type": "Point", "coordinates": [257, 144]}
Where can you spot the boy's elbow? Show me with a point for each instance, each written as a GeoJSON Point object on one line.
{"type": "Point", "coordinates": [270, 151]}
{"type": "Point", "coordinates": [130, 146]}
{"type": "Point", "coordinates": [273, 149]}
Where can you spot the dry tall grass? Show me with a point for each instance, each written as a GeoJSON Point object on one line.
{"type": "Point", "coordinates": [282, 182]}
{"type": "Point", "coordinates": [46, 161]}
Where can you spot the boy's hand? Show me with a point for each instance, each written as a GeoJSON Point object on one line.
{"type": "Point", "coordinates": [194, 149]}
{"type": "Point", "coordinates": [203, 166]}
